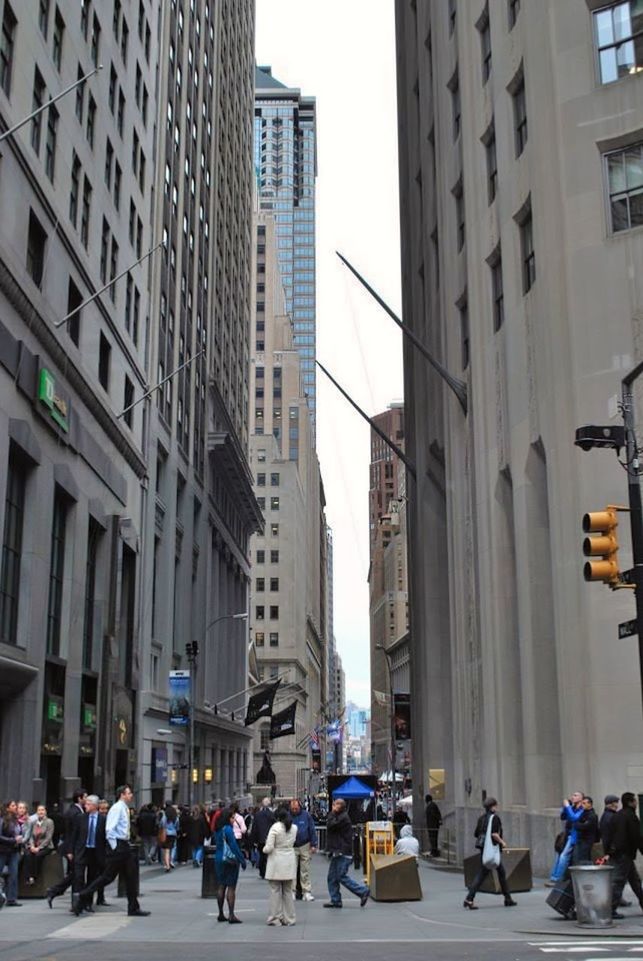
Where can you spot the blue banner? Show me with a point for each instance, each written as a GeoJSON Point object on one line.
{"type": "Point", "coordinates": [180, 694]}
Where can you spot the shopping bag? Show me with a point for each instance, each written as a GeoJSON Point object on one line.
{"type": "Point", "coordinates": [490, 851]}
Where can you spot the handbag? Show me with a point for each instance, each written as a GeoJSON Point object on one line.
{"type": "Point", "coordinates": [559, 843]}
{"type": "Point", "coordinates": [490, 851]}
{"type": "Point", "coordinates": [229, 857]}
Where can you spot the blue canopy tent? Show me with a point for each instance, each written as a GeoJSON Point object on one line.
{"type": "Point", "coordinates": [353, 789]}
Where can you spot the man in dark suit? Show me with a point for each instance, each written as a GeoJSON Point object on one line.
{"type": "Point", "coordinates": [75, 873]}
{"type": "Point", "coordinates": [89, 847]}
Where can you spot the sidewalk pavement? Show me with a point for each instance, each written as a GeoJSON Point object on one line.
{"type": "Point", "coordinates": [180, 915]}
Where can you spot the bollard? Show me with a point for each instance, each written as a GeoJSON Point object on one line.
{"type": "Point", "coordinates": [134, 852]}
{"type": "Point", "coordinates": [209, 883]}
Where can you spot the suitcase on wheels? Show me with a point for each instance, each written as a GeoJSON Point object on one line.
{"type": "Point", "coordinates": [561, 898]}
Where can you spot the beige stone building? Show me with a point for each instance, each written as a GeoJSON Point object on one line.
{"type": "Point", "coordinates": [288, 603]}
{"type": "Point", "coordinates": [521, 125]}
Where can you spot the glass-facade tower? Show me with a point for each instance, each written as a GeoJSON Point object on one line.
{"type": "Point", "coordinates": [286, 167]}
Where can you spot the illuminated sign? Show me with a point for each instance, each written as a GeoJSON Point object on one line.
{"type": "Point", "coordinates": [48, 396]}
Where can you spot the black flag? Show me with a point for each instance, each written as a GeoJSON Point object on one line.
{"type": "Point", "coordinates": [260, 705]}
{"type": "Point", "coordinates": [283, 723]}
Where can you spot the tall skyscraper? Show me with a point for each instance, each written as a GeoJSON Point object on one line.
{"type": "Point", "coordinates": [76, 185]}
{"type": "Point", "coordinates": [520, 186]}
{"type": "Point", "coordinates": [285, 148]}
{"type": "Point", "coordinates": [201, 509]}
{"type": "Point", "coordinates": [289, 593]}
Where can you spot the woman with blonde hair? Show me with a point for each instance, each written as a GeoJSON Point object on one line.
{"type": "Point", "coordinates": [281, 868]}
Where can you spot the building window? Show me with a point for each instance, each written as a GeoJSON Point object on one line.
{"type": "Point", "coordinates": [74, 300]}
{"type": "Point", "coordinates": [618, 34]}
{"type": "Point", "coordinates": [14, 508]}
{"type": "Point", "coordinates": [80, 96]}
{"type": "Point", "coordinates": [261, 557]}
{"type": "Point", "coordinates": [261, 480]}
{"type": "Point", "coordinates": [56, 573]}
{"type": "Point", "coordinates": [260, 584]}
{"type": "Point", "coordinates": [128, 400]}
{"type": "Point", "coordinates": [50, 143]}
{"type": "Point", "coordinates": [489, 141]}
{"type": "Point", "coordinates": [120, 119]}
{"type": "Point", "coordinates": [264, 730]}
{"type": "Point", "coordinates": [104, 246]}
{"type": "Point", "coordinates": [113, 269]}
{"type": "Point", "coordinates": [274, 557]}
{"type": "Point", "coordinates": [274, 530]}
{"type": "Point", "coordinates": [43, 17]}
{"type": "Point", "coordinates": [485, 44]}
{"type": "Point", "coordinates": [111, 95]}
{"type": "Point", "coordinates": [75, 187]}
{"type": "Point", "coordinates": [274, 638]}
{"type": "Point", "coordinates": [84, 17]}
{"type": "Point", "coordinates": [624, 172]}
{"type": "Point", "coordinates": [463, 308]}
{"type": "Point", "coordinates": [36, 245]}
{"type": "Point", "coordinates": [458, 194]}
{"type": "Point", "coordinates": [95, 47]}
{"type": "Point", "coordinates": [91, 121]}
{"type": "Point", "coordinates": [527, 252]}
{"type": "Point", "coordinates": [59, 35]}
{"type": "Point", "coordinates": [93, 538]}
{"type": "Point", "coordinates": [274, 612]}
{"type": "Point", "coordinates": [261, 503]}
{"type": "Point", "coordinates": [259, 612]}
{"type": "Point", "coordinates": [109, 164]}
{"type": "Point", "coordinates": [274, 583]}
{"type": "Point", "coordinates": [274, 503]}
{"type": "Point", "coordinates": [39, 91]}
{"type": "Point", "coordinates": [456, 105]}
{"type": "Point", "coordinates": [104, 355]}
{"type": "Point", "coordinates": [85, 214]}
{"type": "Point", "coordinates": [520, 114]}
{"type": "Point", "coordinates": [497, 291]}
{"type": "Point", "coordinates": [513, 9]}
{"type": "Point", "coordinates": [260, 638]}
{"type": "Point", "coordinates": [274, 480]}
{"type": "Point", "coordinates": [118, 174]}
{"type": "Point", "coordinates": [7, 41]}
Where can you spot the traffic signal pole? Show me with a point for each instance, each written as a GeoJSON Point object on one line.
{"type": "Point", "coordinates": [634, 494]}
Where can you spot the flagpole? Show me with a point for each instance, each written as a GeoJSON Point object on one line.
{"type": "Point", "coordinates": [247, 690]}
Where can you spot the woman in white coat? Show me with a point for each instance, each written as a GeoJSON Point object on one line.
{"type": "Point", "coordinates": [281, 868]}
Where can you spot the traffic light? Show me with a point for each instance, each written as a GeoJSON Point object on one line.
{"type": "Point", "coordinates": [602, 543]}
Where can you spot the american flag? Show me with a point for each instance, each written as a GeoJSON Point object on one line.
{"type": "Point", "coordinates": [314, 740]}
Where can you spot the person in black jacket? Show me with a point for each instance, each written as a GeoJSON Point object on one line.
{"type": "Point", "coordinates": [339, 845]}
{"type": "Point", "coordinates": [147, 827]}
{"type": "Point", "coordinates": [433, 819]}
{"type": "Point", "coordinates": [623, 846]}
{"type": "Point", "coordinates": [587, 833]}
{"type": "Point", "coordinates": [263, 821]}
{"type": "Point", "coordinates": [75, 872]}
{"type": "Point", "coordinates": [88, 845]}
{"type": "Point", "coordinates": [490, 806]}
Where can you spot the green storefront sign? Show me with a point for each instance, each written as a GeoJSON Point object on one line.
{"type": "Point", "coordinates": [89, 717]}
{"type": "Point", "coordinates": [55, 710]}
{"type": "Point", "coordinates": [48, 396]}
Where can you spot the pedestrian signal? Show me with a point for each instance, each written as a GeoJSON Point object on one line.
{"type": "Point", "coordinates": [601, 544]}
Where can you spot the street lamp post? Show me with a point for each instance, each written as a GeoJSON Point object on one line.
{"type": "Point", "coordinates": [380, 647]}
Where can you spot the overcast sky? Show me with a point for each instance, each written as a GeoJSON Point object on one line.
{"type": "Point", "coordinates": [343, 53]}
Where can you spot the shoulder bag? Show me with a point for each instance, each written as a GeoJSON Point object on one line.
{"type": "Point", "coordinates": [229, 857]}
{"type": "Point", "coordinates": [490, 851]}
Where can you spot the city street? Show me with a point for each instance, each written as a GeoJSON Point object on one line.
{"type": "Point", "coordinates": [184, 925]}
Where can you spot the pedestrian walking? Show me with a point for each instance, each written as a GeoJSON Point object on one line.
{"type": "Point", "coordinates": [281, 868]}
{"type": "Point", "coordinates": [488, 835]}
{"type": "Point", "coordinates": [11, 841]}
{"type": "Point", "coordinates": [168, 831]}
{"type": "Point", "coordinates": [433, 818]}
{"type": "Point", "coordinates": [625, 842]}
{"type": "Point", "coordinates": [263, 821]}
{"type": "Point", "coordinates": [88, 846]}
{"type": "Point", "coordinates": [198, 831]}
{"type": "Point", "coordinates": [606, 829]}
{"type": "Point", "coordinates": [339, 845]}
{"type": "Point", "coordinates": [38, 844]}
{"type": "Point", "coordinates": [228, 857]}
{"type": "Point", "coordinates": [119, 858]}
{"type": "Point", "coordinates": [147, 827]}
{"type": "Point", "coordinates": [74, 873]}
{"type": "Point", "coordinates": [305, 847]}
{"type": "Point", "coordinates": [570, 813]}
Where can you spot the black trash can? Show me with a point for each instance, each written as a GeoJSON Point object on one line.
{"type": "Point", "coordinates": [134, 853]}
{"type": "Point", "coordinates": [209, 883]}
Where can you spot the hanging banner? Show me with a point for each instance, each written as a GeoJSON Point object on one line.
{"type": "Point", "coordinates": [334, 731]}
{"type": "Point", "coordinates": [283, 723]}
{"type": "Point", "coordinates": [180, 694]}
{"type": "Point", "coordinates": [260, 705]}
{"type": "Point", "coordinates": [402, 709]}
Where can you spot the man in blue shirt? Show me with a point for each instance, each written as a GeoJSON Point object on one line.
{"type": "Point", "coordinates": [119, 857]}
{"type": "Point", "coordinates": [571, 812]}
{"type": "Point", "coordinates": [305, 846]}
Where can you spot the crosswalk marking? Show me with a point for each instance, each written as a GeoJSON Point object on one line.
{"type": "Point", "coordinates": [92, 929]}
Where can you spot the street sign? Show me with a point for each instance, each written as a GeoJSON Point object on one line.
{"type": "Point", "coordinates": [628, 629]}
